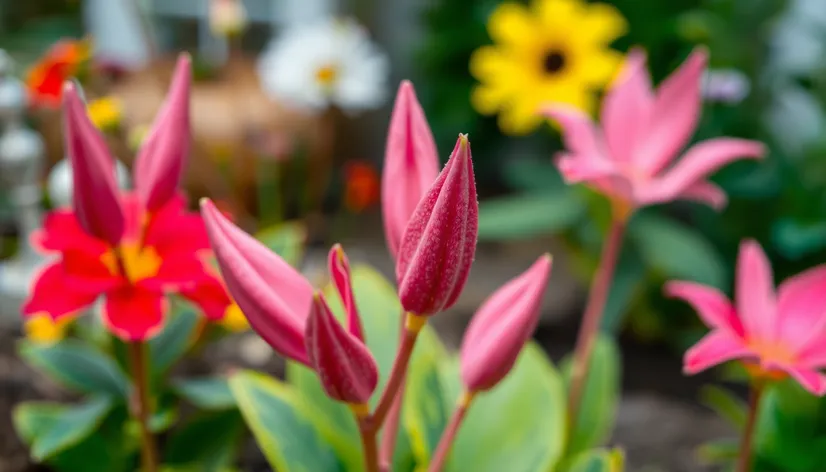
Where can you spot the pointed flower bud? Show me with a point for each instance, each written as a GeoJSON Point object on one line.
{"type": "Point", "coordinates": [343, 363]}
{"type": "Point", "coordinates": [273, 296]}
{"type": "Point", "coordinates": [440, 241]}
{"type": "Point", "coordinates": [501, 326]}
{"type": "Point", "coordinates": [94, 189]}
{"type": "Point", "coordinates": [339, 267]}
{"type": "Point", "coordinates": [411, 164]}
{"type": "Point", "coordinates": [161, 160]}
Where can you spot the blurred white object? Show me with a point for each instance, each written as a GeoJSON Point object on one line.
{"type": "Point", "coordinates": [725, 86]}
{"type": "Point", "coordinates": [60, 182]}
{"type": "Point", "coordinates": [330, 62]}
{"type": "Point", "coordinates": [227, 17]}
{"type": "Point", "coordinates": [116, 31]}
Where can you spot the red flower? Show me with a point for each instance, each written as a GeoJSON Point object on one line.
{"type": "Point", "coordinates": [362, 186]}
{"type": "Point", "coordinates": [157, 256]}
{"type": "Point", "coordinates": [60, 63]}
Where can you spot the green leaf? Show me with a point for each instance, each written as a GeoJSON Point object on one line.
{"type": "Point", "coordinates": [282, 429]}
{"type": "Point", "coordinates": [796, 239]}
{"type": "Point", "coordinates": [519, 426]}
{"type": "Point", "coordinates": [598, 460]}
{"type": "Point", "coordinates": [598, 406]}
{"type": "Point", "coordinates": [677, 250]}
{"type": "Point", "coordinates": [720, 452]}
{"type": "Point", "coordinates": [172, 343]}
{"type": "Point", "coordinates": [380, 313]}
{"type": "Point", "coordinates": [534, 214]}
{"type": "Point", "coordinates": [285, 239]}
{"type": "Point", "coordinates": [533, 175]}
{"type": "Point", "coordinates": [209, 393]}
{"type": "Point", "coordinates": [724, 403]}
{"type": "Point", "coordinates": [164, 418]}
{"type": "Point", "coordinates": [32, 419]}
{"type": "Point", "coordinates": [70, 427]}
{"type": "Point", "coordinates": [78, 367]}
{"type": "Point", "coordinates": [208, 442]}
{"type": "Point", "coordinates": [628, 279]}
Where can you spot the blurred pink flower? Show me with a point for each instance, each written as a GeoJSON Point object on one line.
{"type": "Point", "coordinates": [774, 334]}
{"type": "Point", "coordinates": [632, 159]}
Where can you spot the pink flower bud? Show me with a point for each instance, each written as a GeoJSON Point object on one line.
{"type": "Point", "coordinates": [344, 365]}
{"type": "Point", "coordinates": [440, 241]}
{"type": "Point", "coordinates": [160, 162]}
{"type": "Point", "coordinates": [95, 190]}
{"type": "Point", "coordinates": [501, 326]}
{"type": "Point", "coordinates": [339, 267]}
{"type": "Point", "coordinates": [273, 296]}
{"type": "Point", "coordinates": [411, 164]}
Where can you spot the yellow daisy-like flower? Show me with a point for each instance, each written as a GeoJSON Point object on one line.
{"type": "Point", "coordinates": [558, 51]}
{"type": "Point", "coordinates": [42, 329]}
{"type": "Point", "coordinates": [106, 113]}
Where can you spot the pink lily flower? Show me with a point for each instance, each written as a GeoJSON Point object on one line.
{"type": "Point", "coordinates": [439, 244]}
{"type": "Point", "coordinates": [632, 158]}
{"type": "Point", "coordinates": [345, 366]}
{"type": "Point", "coordinates": [161, 161]}
{"type": "Point", "coordinates": [411, 164]}
{"type": "Point", "coordinates": [502, 326]}
{"type": "Point", "coordinates": [339, 267]}
{"type": "Point", "coordinates": [780, 333]}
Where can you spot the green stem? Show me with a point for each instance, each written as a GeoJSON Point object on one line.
{"type": "Point", "coordinates": [142, 407]}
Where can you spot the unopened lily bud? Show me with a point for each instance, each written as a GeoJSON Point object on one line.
{"type": "Point", "coordinates": [273, 296]}
{"type": "Point", "coordinates": [502, 326]}
{"type": "Point", "coordinates": [343, 363]}
{"type": "Point", "coordinates": [339, 267]}
{"type": "Point", "coordinates": [440, 240]}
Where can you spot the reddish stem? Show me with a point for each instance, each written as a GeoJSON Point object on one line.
{"type": "Point", "coordinates": [449, 434]}
{"type": "Point", "coordinates": [744, 457]}
{"type": "Point", "coordinates": [594, 308]}
{"type": "Point", "coordinates": [391, 427]}
{"type": "Point", "coordinates": [413, 325]}
{"type": "Point", "coordinates": [142, 406]}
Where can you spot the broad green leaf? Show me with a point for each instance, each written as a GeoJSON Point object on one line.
{"type": "Point", "coordinates": [209, 393]}
{"type": "Point", "coordinates": [598, 406]}
{"type": "Point", "coordinates": [208, 442]}
{"type": "Point", "coordinates": [285, 239]}
{"type": "Point", "coordinates": [32, 419]}
{"type": "Point", "coordinates": [280, 425]}
{"type": "Point", "coordinates": [77, 367]}
{"type": "Point", "coordinates": [725, 404]}
{"type": "Point", "coordinates": [519, 426]}
{"type": "Point", "coordinates": [529, 215]}
{"type": "Point", "coordinates": [381, 318]}
{"type": "Point", "coordinates": [534, 175]}
{"type": "Point", "coordinates": [177, 336]}
{"type": "Point", "coordinates": [70, 427]}
{"type": "Point", "coordinates": [107, 453]}
{"type": "Point", "coordinates": [677, 251]}
{"type": "Point", "coordinates": [598, 460]}
{"type": "Point", "coordinates": [795, 239]}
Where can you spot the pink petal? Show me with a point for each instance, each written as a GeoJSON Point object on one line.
{"type": "Point", "coordinates": [801, 307]}
{"type": "Point", "coordinates": [754, 293]}
{"type": "Point", "coordinates": [706, 192]}
{"type": "Point", "coordinates": [675, 114]}
{"type": "Point", "coordinates": [713, 307]}
{"type": "Point", "coordinates": [627, 107]}
{"type": "Point", "coordinates": [700, 161]}
{"type": "Point", "coordinates": [811, 380]}
{"type": "Point", "coordinates": [597, 174]}
{"type": "Point", "coordinates": [715, 348]}
{"type": "Point", "coordinates": [581, 136]}
{"type": "Point", "coordinates": [339, 267]}
{"type": "Point", "coordinates": [411, 164]}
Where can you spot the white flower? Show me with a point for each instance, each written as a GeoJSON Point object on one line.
{"type": "Point", "coordinates": [725, 86]}
{"type": "Point", "coordinates": [227, 17]}
{"type": "Point", "coordinates": [329, 62]}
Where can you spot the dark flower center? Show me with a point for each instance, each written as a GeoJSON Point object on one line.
{"type": "Point", "coordinates": [553, 62]}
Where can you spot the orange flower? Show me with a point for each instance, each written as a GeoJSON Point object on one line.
{"type": "Point", "coordinates": [61, 62]}
{"type": "Point", "coordinates": [361, 186]}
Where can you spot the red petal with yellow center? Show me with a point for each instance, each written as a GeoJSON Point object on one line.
{"type": "Point", "coordinates": [55, 294]}
{"type": "Point", "coordinates": [174, 230]}
{"type": "Point", "coordinates": [211, 296]}
{"type": "Point", "coordinates": [61, 232]}
{"type": "Point", "coordinates": [134, 313]}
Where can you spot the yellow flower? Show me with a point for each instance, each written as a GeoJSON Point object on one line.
{"type": "Point", "coordinates": [42, 329]}
{"type": "Point", "coordinates": [105, 113]}
{"type": "Point", "coordinates": [555, 52]}
{"type": "Point", "coordinates": [234, 320]}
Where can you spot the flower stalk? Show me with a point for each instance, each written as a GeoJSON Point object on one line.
{"type": "Point", "coordinates": [142, 407]}
{"type": "Point", "coordinates": [592, 318]}
{"type": "Point", "coordinates": [449, 434]}
{"type": "Point", "coordinates": [744, 456]}
{"type": "Point", "coordinates": [391, 427]}
{"type": "Point", "coordinates": [413, 325]}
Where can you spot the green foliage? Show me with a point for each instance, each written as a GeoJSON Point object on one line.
{"type": "Point", "coordinates": [285, 239]}
{"type": "Point", "coordinates": [209, 393]}
{"type": "Point", "coordinates": [169, 345]}
{"type": "Point", "coordinates": [598, 460]}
